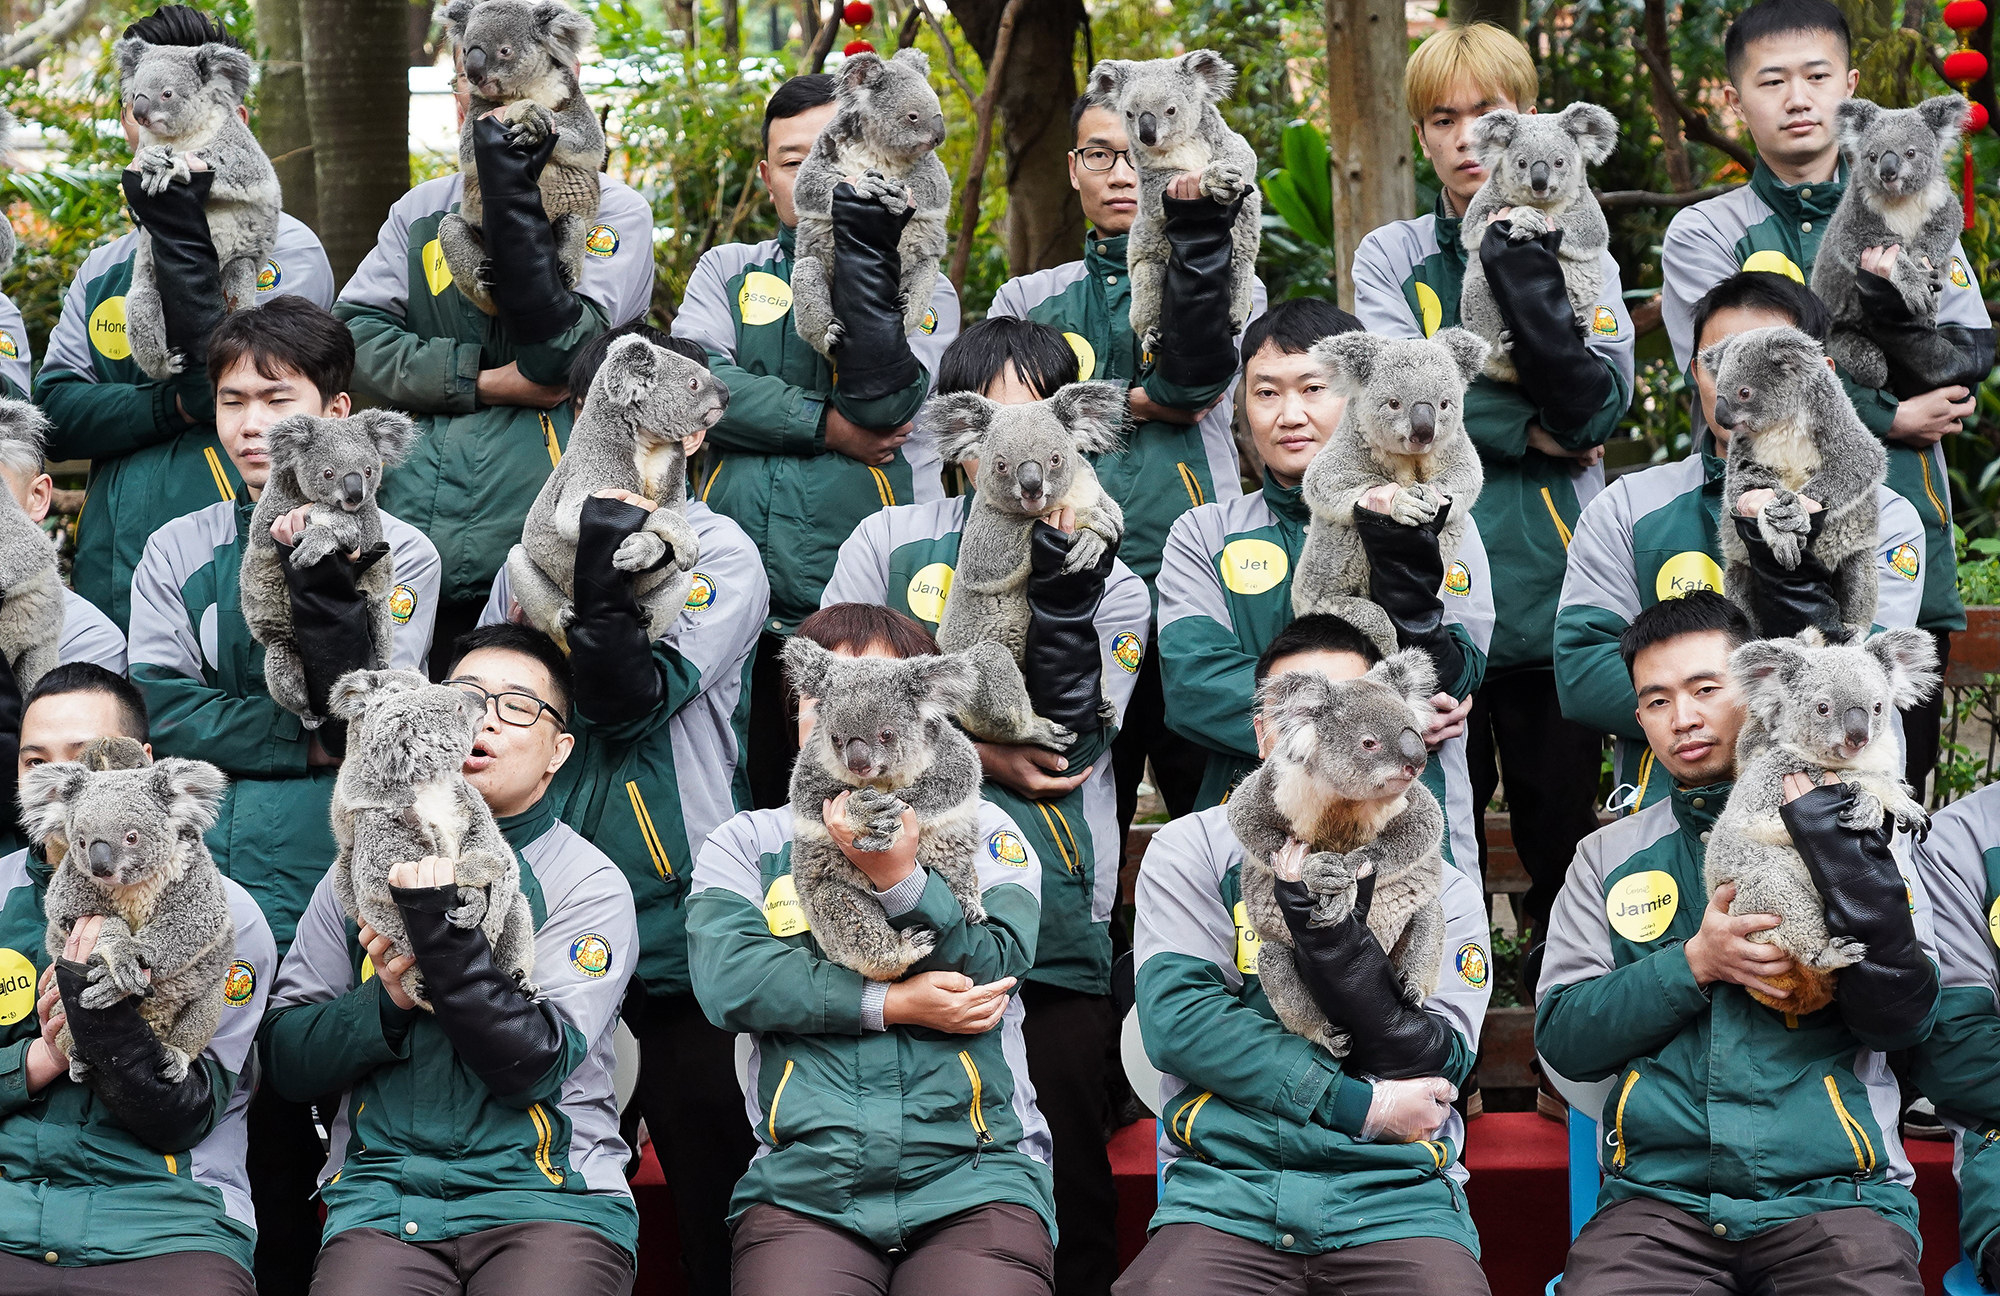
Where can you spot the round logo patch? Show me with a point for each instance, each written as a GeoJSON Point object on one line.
{"type": "Point", "coordinates": [1642, 905]}
{"type": "Point", "coordinates": [602, 241]}
{"type": "Point", "coordinates": [402, 602]}
{"type": "Point", "coordinates": [1904, 559]}
{"type": "Point", "coordinates": [1684, 573]}
{"type": "Point", "coordinates": [1128, 652]}
{"type": "Point", "coordinates": [1430, 307]}
{"type": "Point", "coordinates": [9, 349]}
{"type": "Point", "coordinates": [783, 913]}
{"type": "Point", "coordinates": [1253, 566]}
{"type": "Point", "coordinates": [1086, 355]}
{"type": "Point", "coordinates": [1604, 323]}
{"type": "Point", "coordinates": [1959, 278]}
{"type": "Point", "coordinates": [1772, 261]}
{"type": "Point", "coordinates": [1248, 943]}
{"type": "Point", "coordinates": [239, 985]}
{"type": "Point", "coordinates": [270, 276]}
{"type": "Point", "coordinates": [928, 324]}
{"type": "Point", "coordinates": [591, 955]}
{"type": "Point", "coordinates": [1472, 964]}
{"type": "Point", "coordinates": [701, 594]}
{"type": "Point", "coordinates": [1008, 849]}
{"type": "Point", "coordinates": [1458, 579]}
{"type": "Point", "coordinates": [17, 986]}
{"type": "Point", "coordinates": [436, 273]}
{"type": "Point", "coordinates": [107, 329]}
{"type": "Point", "coordinates": [763, 298]}
{"type": "Point", "coordinates": [927, 592]}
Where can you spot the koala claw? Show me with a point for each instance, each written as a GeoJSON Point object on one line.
{"type": "Point", "coordinates": [471, 908]}
{"type": "Point", "coordinates": [314, 544]}
{"type": "Point", "coordinates": [1413, 506]}
{"type": "Point", "coordinates": [835, 331]}
{"type": "Point", "coordinates": [1864, 813]}
{"type": "Point", "coordinates": [1841, 952]}
{"type": "Point", "coordinates": [173, 1064]}
{"type": "Point", "coordinates": [879, 816]}
{"type": "Point", "coordinates": [1222, 182]}
{"type": "Point", "coordinates": [1524, 223]}
{"type": "Point", "coordinates": [638, 552]}
{"type": "Point", "coordinates": [1085, 549]}
{"type": "Point", "coordinates": [1506, 339]}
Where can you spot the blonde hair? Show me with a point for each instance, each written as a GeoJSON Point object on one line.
{"type": "Point", "coordinates": [1494, 61]}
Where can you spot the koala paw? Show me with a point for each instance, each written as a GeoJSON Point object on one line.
{"type": "Point", "coordinates": [1150, 342]}
{"type": "Point", "coordinates": [78, 1068]}
{"type": "Point", "coordinates": [1338, 1043]}
{"type": "Point", "coordinates": [1524, 223]}
{"type": "Point", "coordinates": [173, 1064]}
{"type": "Point", "coordinates": [1842, 952]}
{"type": "Point", "coordinates": [1223, 182]}
{"type": "Point", "coordinates": [638, 552]}
{"type": "Point", "coordinates": [1085, 549]}
{"type": "Point", "coordinates": [471, 911]}
{"type": "Point", "coordinates": [877, 818]}
{"type": "Point", "coordinates": [115, 972]}
{"type": "Point", "coordinates": [1414, 505]}
{"type": "Point", "coordinates": [1864, 813]}
{"type": "Point", "coordinates": [835, 331]}
{"type": "Point", "coordinates": [159, 166]}
{"type": "Point", "coordinates": [1912, 818]}
{"type": "Point", "coordinates": [314, 544]}
{"type": "Point", "coordinates": [1055, 737]}
{"type": "Point", "coordinates": [1506, 340]}
{"type": "Point", "coordinates": [483, 275]}
{"type": "Point", "coordinates": [528, 123]}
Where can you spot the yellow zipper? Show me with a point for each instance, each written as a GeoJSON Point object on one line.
{"type": "Point", "coordinates": [1182, 1124]}
{"type": "Point", "coordinates": [1645, 776]}
{"type": "Point", "coordinates": [1068, 852]}
{"type": "Point", "coordinates": [1857, 1137]}
{"type": "Point", "coordinates": [1924, 462]}
{"type": "Point", "coordinates": [776, 1095]}
{"type": "Point", "coordinates": [883, 489]}
{"type": "Point", "coordinates": [661, 864]}
{"type": "Point", "coordinates": [981, 1135]}
{"type": "Point", "coordinates": [545, 1132]}
{"type": "Point", "coordinates": [1555, 517]}
{"type": "Point", "coordinates": [549, 437]}
{"type": "Point", "coordinates": [1618, 1121]}
{"type": "Point", "coordinates": [222, 486]}
{"type": "Point", "coordinates": [1193, 486]}
{"type": "Point", "coordinates": [717, 472]}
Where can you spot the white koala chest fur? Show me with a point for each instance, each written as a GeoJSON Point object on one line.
{"type": "Point", "coordinates": [1323, 818]}
{"type": "Point", "coordinates": [1191, 154]}
{"type": "Point", "coordinates": [654, 461]}
{"type": "Point", "coordinates": [550, 89]}
{"type": "Point", "coordinates": [135, 903]}
{"type": "Point", "coordinates": [1788, 450]}
{"type": "Point", "coordinates": [1905, 216]}
{"type": "Point", "coordinates": [200, 134]}
{"type": "Point", "coordinates": [1404, 470]}
{"type": "Point", "coordinates": [858, 155]}
{"type": "Point", "coordinates": [436, 808]}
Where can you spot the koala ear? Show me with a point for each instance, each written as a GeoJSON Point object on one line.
{"type": "Point", "coordinates": [1594, 128]}
{"type": "Point", "coordinates": [1763, 669]}
{"type": "Point", "coordinates": [1291, 697]}
{"type": "Point", "coordinates": [1409, 672]}
{"type": "Point", "coordinates": [1793, 352]}
{"type": "Point", "coordinates": [456, 15]}
{"type": "Point", "coordinates": [1494, 131]}
{"type": "Point", "coordinates": [1094, 412]}
{"type": "Point", "coordinates": [911, 56]}
{"type": "Point", "coordinates": [289, 438]}
{"type": "Point", "coordinates": [959, 421]}
{"type": "Point", "coordinates": [46, 791]}
{"type": "Point", "coordinates": [128, 51]}
{"type": "Point", "coordinates": [1348, 359]}
{"type": "Point", "coordinates": [392, 433]}
{"type": "Point", "coordinates": [1468, 350]}
{"type": "Point", "coordinates": [1852, 118]}
{"type": "Point", "coordinates": [191, 789]}
{"type": "Point", "coordinates": [1945, 115]}
{"type": "Point", "coordinates": [862, 72]}
{"type": "Point", "coordinates": [1107, 79]}
{"type": "Point", "coordinates": [806, 666]}
{"type": "Point", "coordinates": [943, 683]}
{"type": "Point", "coordinates": [1909, 657]}
{"type": "Point", "coordinates": [1213, 74]}
{"type": "Point", "coordinates": [352, 693]}
{"type": "Point", "coordinates": [114, 753]}
{"type": "Point", "coordinates": [1710, 358]}
{"type": "Point", "coordinates": [216, 62]}
{"type": "Point", "coordinates": [565, 32]}
{"type": "Point", "coordinates": [629, 372]}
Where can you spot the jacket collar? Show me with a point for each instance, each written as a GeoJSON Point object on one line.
{"type": "Point", "coordinates": [1695, 808]}
{"type": "Point", "coordinates": [1813, 200]}
{"type": "Point", "coordinates": [1713, 458]}
{"type": "Point", "coordinates": [1286, 501]}
{"type": "Point", "coordinates": [786, 234]}
{"type": "Point", "coordinates": [1104, 253]}
{"type": "Point", "coordinates": [39, 867]}
{"type": "Point", "coordinates": [1448, 226]}
{"type": "Point", "coordinates": [523, 829]}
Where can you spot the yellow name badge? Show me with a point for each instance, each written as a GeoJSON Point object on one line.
{"type": "Point", "coordinates": [1086, 355]}
{"type": "Point", "coordinates": [1772, 261]}
{"type": "Point", "coordinates": [927, 592]}
{"type": "Point", "coordinates": [1684, 573]}
{"type": "Point", "coordinates": [107, 329]}
{"type": "Point", "coordinates": [763, 298]}
{"type": "Point", "coordinates": [1642, 906]}
{"type": "Point", "coordinates": [436, 273]}
{"type": "Point", "coordinates": [17, 986]}
{"type": "Point", "coordinates": [1431, 307]}
{"type": "Point", "coordinates": [1253, 566]}
{"type": "Point", "coordinates": [1992, 927]}
{"type": "Point", "coordinates": [783, 913]}
{"type": "Point", "coordinates": [1248, 942]}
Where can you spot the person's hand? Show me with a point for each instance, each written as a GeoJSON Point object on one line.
{"type": "Point", "coordinates": [946, 1001]}
{"type": "Point", "coordinates": [1921, 421]}
{"type": "Point", "coordinates": [1289, 862]}
{"type": "Point", "coordinates": [1035, 772]}
{"type": "Point", "coordinates": [506, 386]}
{"type": "Point", "coordinates": [634, 498]}
{"type": "Point", "coordinates": [1380, 499]}
{"type": "Point", "coordinates": [863, 445]}
{"type": "Point", "coordinates": [1062, 519]}
{"type": "Point", "coordinates": [1541, 441]}
{"type": "Point", "coordinates": [421, 875]}
{"type": "Point", "coordinates": [317, 756]}
{"type": "Point", "coordinates": [1720, 951]}
{"type": "Point", "coordinates": [1797, 785]}
{"type": "Point", "coordinates": [389, 971]}
{"type": "Point", "coordinates": [83, 938]}
{"type": "Point", "coordinates": [1186, 186]}
{"type": "Point", "coordinates": [884, 869]}
{"type": "Point", "coordinates": [45, 1060]}
{"type": "Point", "coordinates": [1751, 502]}
{"type": "Point", "coordinates": [1880, 260]}
{"type": "Point", "coordinates": [1403, 1111]}
{"type": "Point", "coordinates": [1447, 720]}
{"type": "Point", "coordinates": [1146, 410]}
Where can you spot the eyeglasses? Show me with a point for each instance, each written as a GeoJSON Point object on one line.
{"type": "Point", "coordinates": [513, 707]}
{"type": "Point", "coordinates": [1102, 159]}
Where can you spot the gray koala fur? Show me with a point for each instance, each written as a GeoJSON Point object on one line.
{"type": "Point", "coordinates": [531, 48]}
{"type": "Point", "coordinates": [1337, 748]}
{"type": "Point", "coordinates": [132, 852]}
{"type": "Point", "coordinates": [1897, 193]}
{"type": "Point", "coordinates": [1172, 101]}
{"type": "Point", "coordinates": [31, 589]}
{"type": "Point", "coordinates": [335, 466]}
{"type": "Point", "coordinates": [1386, 437]}
{"type": "Point", "coordinates": [185, 100]}
{"type": "Point", "coordinates": [401, 795]}
{"type": "Point", "coordinates": [883, 140]}
{"type": "Point", "coordinates": [630, 436]}
{"type": "Point", "coordinates": [1793, 430]}
{"type": "Point", "coordinates": [1516, 148]}
{"type": "Point", "coordinates": [882, 730]}
{"type": "Point", "coordinates": [1042, 445]}
{"type": "Point", "coordinates": [1814, 709]}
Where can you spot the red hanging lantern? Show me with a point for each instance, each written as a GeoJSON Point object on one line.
{"type": "Point", "coordinates": [1975, 119]}
{"type": "Point", "coordinates": [859, 13]}
{"type": "Point", "coordinates": [1962, 67]}
{"type": "Point", "coordinates": [854, 47]}
{"type": "Point", "coordinates": [1964, 15]}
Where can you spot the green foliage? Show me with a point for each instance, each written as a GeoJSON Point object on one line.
{"type": "Point", "coordinates": [1504, 970]}
{"type": "Point", "coordinates": [1298, 250]}
{"type": "Point", "coordinates": [1969, 752]}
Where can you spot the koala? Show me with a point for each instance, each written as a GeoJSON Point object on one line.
{"type": "Point", "coordinates": [1535, 164]}
{"type": "Point", "coordinates": [1897, 193]}
{"type": "Point", "coordinates": [521, 56]}
{"type": "Point", "coordinates": [1031, 463]}
{"type": "Point", "coordinates": [883, 140]}
{"type": "Point", "coordinates": [401, 795]}
{"type": "Point", "coordinates": [31, 589]}
{"type": "Point", "coordinates": [1342, 779]}
{"type": "Point", "coordinates": [644, 401]}
{"type": "Point", "coordinates": [184, 101]}
{"type": "Point", "coordinates": [1174, 127]}
{"type": "Point", "coordinates": [114, 752]}
{"type": "Point", "coordinates": [1814, 708]}
{"type": "Point", "coordinates": [882, 730]}
{"type": "Point", "coordinates": [335, 465]}
{"type": "Point", "coordinates": [1793, 430]}
{"type": "Point", "coordinates": [1404, 425]}
{"type": "Point", "coordinates": [132, 853]}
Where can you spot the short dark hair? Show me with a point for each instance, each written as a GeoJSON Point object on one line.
{"type": "Point", "coordinates": [856, 627]}
{"type": "Point", "coordinates": [1701, 611]}
{"type": "Point", "coordinates": [982, 353]}
{"type": "Point", "coordinates": [798, 95]}
{"type": "Point", "coordinates": [1782, 18]}
{"type": "Point", "coordinates": [583, 369]}
{"type": "Point", "coordinates": [89, 677]}
{"type": "Point", "coordinates": [180, 25]}
{"type": "Point", "coordinates": [509, 636]}
{"type": "Point", "coordinates": [1763, 290]}
{"type": "Point", "coordinates": [285, 333]}
{"type": "Point", "coordinates": [1317, 632]}
{"type": "Point", "coordinates": [1084, 103]}
{"type": "Point", "coordinates": [1293, 326]}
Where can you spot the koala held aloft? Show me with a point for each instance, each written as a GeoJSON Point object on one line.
{"type": "Point", "coordinates": [643, 404]}
{"type": "Point", "coordinates": [1341, 778]}
{"type": "Point", "coordinates": [882, 731]}
{"type": "Point", "coordinates": [401, 796]}
{"type": "Point", "coordinates": [125, 840]}
{"type": "Point", "coordinates": [1813, 709]}
{"type": "Point", "coordinates": [31, 589]}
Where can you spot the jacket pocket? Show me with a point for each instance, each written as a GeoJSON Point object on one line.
{"type": "Point", "coordinates": [982, 1137]}
{"type": "Point", "coordinates": [1192, 484]}
{"type": "Point", "coordinates": [1855, 1133]}
{"type": "Point", "coordinates": [777, 1098]}
{"type": "Point", "coordinates": [1181, 1123]}
{"type": "Point", "coordinates": [1060, 833]}
{"type": "Point", "coordinates": [1555, 516]}
{"type": "Point", "coordinates": [1620, 1150]}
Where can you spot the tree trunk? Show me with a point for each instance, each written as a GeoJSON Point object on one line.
{"type": "Point", "coordinates": [1505, 14]}
{"type": "Point", "coordinates": [1374, 181]}
{"type": "Point", "coordinates": [680, 17]}
{"type": "Point", "coordinates": [732, 28]}
{"type": "Point", "coordinates": [358, 95]}
{"type": "Point", "coordinates": [423, 52]}
{"type": "Point", "coordinates": [283, 126]}
{"type": "Point", "coordinates": [1680, 172]}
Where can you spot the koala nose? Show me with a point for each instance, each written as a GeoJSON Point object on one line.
{"type": "Point", "coordinates": [100, 860]}
{"type": "Point", "coordinates": [937, 130]}
{"type": "Point", "coordinates": [475, 62]}
{"type": "Point", "coordinates": [1029, 475]}
{"type": "Point", "coordinates": [1890, 166]}
{"type": "Point", "coordinates": [1854, 726]}
{"type": "Point", "coordinates": [142, 105]}
{"type": "Point", "coordinates": [1725, 412]}
{"type": "Point", "coordinates": [1538, 177]}
{"type": "Point", "coordinates": [350, 490]}
{"type": "Point", "coordinates": [1149, 129]}
{"type": "Point", "coordinates": [858, 760]}
{"type": "Point", "coordinates": [1411, 744]}
{"type": "Point", "coordinates": [1423, 423]}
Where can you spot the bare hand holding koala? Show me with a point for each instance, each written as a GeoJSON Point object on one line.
{"type": "Point", "coordinates": [884, 868]}
{"type": "Point", "coordinates": [946, 1001]}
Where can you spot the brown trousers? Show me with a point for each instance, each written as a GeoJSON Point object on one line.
{"type": "Point", "coordinates": [1195, 1260]}
{"type": "Point", "coordinates": [1001, 1250]}
{"type": "Point", "coordinates": [536, 1259]}
{"type": "Point", "coordinates": [1648, 1248]}
{"type": "Point", "coordinates": [182, 1273]}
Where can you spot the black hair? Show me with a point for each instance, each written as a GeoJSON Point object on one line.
{"type": "Point", "coordinates": [1702, 611]}
{"type": "Point", "coordinates": [982, 353]}
{"type": "Point", "coordinates": [285, 333]}
{"type": "Point", "coordinates": [1762, 290]}
{"type": "Point", "coordinates": [1317, 632]}
{"type": "Point", "coordinates": [89, 677]}
{"type": "Point", "coordinates": [180, 25]}
{"type": "Point", "coordinates": [583, 369]}
{"type": "Point", "coordinates": [506, 636]}
{"type": "Point", "coordinates": [1782, 18]}
{"type": "Point", "coordinates": [1084, 103]}
{"type": "Point", "coordinates": [798, 95]}
{"type": "Point", "coordinates": [1293, 326]}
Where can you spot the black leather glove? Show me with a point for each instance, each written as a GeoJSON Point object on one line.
{"type": "Point", "coordinates": [124, 1057]}
{"type": "Point", "coordinates": [184, 262]}
{"type": "Point", "coordinates": [527, 288]}
{"type": "Point", "coordinates": [1989, 1265]}
{"type": "Point", "coordinates": [1788, 599]}
{"type": "Point", "coordinates": [873, 357]}
{"type": "Point", "coordinates": [1062, 663]}
{"type": "Point", "coordinates": [1405, 573]}
{"type": "Point", "coordinates": [505, 1038]}
{"type": "Point", "coordinates": [1564, 377]}
{"type": "Point", "coordinates": [1866, 900]}
{"type": "Point", "coordinates": [10, 739]}
{"type": "Point", "coordinates": [331, 622]}
{"type": "Point", "coordinates": [616, 677]}
{"type": "Point", "coordinates": [1349, 977]}
{"type": "Point", "coordinates": [1922, 356]}
{"type": "Point", "coordinates": [1195, 346]}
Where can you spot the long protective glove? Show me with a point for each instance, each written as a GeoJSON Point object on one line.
{"type": "Point", "coordinates": [1989, 1265]}
{"type": "Point", "coordinates": [1405, 573]}
{"type": "Point", "coordinates": [1565, 378]}
{"type": "Point", "coordinates": [1195, 347]}
{"type": "Point", "coordinates": [1062, 663]}
{"type": "Point", "coordinates": [331, 622]}
{"type": "Point", "coordinates": [1788, 599]}
{"type": "Point", "coordinates": [873, 357]}
{"type": "Point", "coordinates": [185, 265]}
{"type": "Point", "coordinates": [1922, 356]}
{"type": "Point", "coordinates": [10, 738]}
{"type": "Point", "coordinates": [616, 677]}
{"type": "Point", "coordinates": [527, 288]}
{"type": "Point", "coordinates": [125, 1057]}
